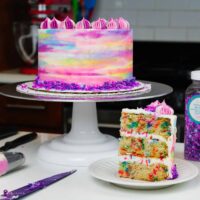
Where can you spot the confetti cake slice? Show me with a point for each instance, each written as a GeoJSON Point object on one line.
{"type": "Point", "coordinates": [148, 136]}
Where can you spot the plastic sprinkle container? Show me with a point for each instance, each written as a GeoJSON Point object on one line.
{"type": "Point", "coordinates": [192, 119]}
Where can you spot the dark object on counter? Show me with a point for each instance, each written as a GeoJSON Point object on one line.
{"type": "Point", "coordinates": [33, 187]}
{"type": "Point", "coordinates": [19, 141]}
{"type": "Point", "coordinates": [7, 132]}
{"type": "Point", "coordinates": [9, 161]}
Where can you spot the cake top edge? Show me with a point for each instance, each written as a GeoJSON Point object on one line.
{"type": "Point", "coordinates": [157, 108]}
{"type": "Point", "coordinates": [101, 23]}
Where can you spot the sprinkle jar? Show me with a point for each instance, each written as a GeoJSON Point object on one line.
{"type": "Point", "coordinates": [192, 119]}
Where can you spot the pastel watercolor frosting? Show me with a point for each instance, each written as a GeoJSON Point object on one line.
{"type": "Point", "coordinates": [96, 55]}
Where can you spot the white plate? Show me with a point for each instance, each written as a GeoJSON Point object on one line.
{"type": "Point", "coordinates": [106, 170]}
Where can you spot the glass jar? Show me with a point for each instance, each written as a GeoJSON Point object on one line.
{"type": "Point", "coordinates": [192, 119]}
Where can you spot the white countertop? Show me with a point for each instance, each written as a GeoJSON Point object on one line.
{"type": "Point", "coordinates": [81, 186]}
{"type": "Point", "coordinates": [13, 76]}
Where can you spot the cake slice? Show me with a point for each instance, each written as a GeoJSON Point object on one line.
{"type": "Point", "coordinates": [148, 136]}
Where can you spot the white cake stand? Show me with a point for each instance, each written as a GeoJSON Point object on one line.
{"type": "Point", "coordinates": [84, 144]}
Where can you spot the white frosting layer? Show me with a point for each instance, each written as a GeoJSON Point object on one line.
{"type": "Point", "coordinates": [142, 111]}
{"type": "Point", "coordinates": [145, 135]}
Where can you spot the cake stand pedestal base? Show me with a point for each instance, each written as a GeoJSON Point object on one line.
{"type": "Point", "coordinates": [84, 144]}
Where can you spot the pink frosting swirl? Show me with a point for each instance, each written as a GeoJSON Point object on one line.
{"type": "Point", "coordinates": [112, 24]}
{"type": "Point", "coordinates": [99, 24]}
{"type": "Point", "coordinates": [45, 24]}
{"type": "Point", "coordinates": [164, 109]}
{"type": "Point", "coordinates": [154, 104]}
{"type": "Point", "coordinates": [83, 24]}
{"type": "Point", "coordinates": [123, 24]}
{"type": "Point", "coordinates": [160, 108]}
{"type": "Point", "coordinates": [152, 107]}
{"type": "Point", "coordinates": [68, 23]}
{"type": "Point", "coordinates": [55, 24]}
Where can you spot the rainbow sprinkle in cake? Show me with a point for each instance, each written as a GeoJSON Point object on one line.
{"type": "Point", "coordinates": [147, 143]}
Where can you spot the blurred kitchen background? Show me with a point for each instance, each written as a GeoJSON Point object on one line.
{"type": "Point", "coordinates": [166, 49]}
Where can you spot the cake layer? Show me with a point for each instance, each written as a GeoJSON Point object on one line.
{"type": "Point", "coordinates": [143, 147]}
{"type": "Point", "coordinates": [85, 56]}
{"type": "Point", "coordinates": [142, 123]}
{"type": "Point", "coordinates": [153, 172]}
{"type": "Point", "coordinates": [128, 160]}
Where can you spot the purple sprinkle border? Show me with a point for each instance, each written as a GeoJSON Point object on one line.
{"type": "Point", "coordinates": [108, 86]}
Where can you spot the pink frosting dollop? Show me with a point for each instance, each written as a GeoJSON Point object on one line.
{"type": "Point", "coordinates": [99, 24]}
{"type": "Point", "coordinates": [112, 24]}
{"type": "Point", "coordinates": [123, 24]}
{"type": "Point", "coordinates": [152, 107]}
{"type": "Point", "coordinates": [45, 24]}
{"type": "Point", "coordinates": [55, 24]}
{"type": "Point", "coordinates": [83, 24]}
{"type": "Point", "coordinates": [164, 109]}
{"type": "Point", "coordinates": [160, 108]}
{"type": "Point", "coordinates": [68, 23]}
{"type": "Point", "coordinates": [154, 104]}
